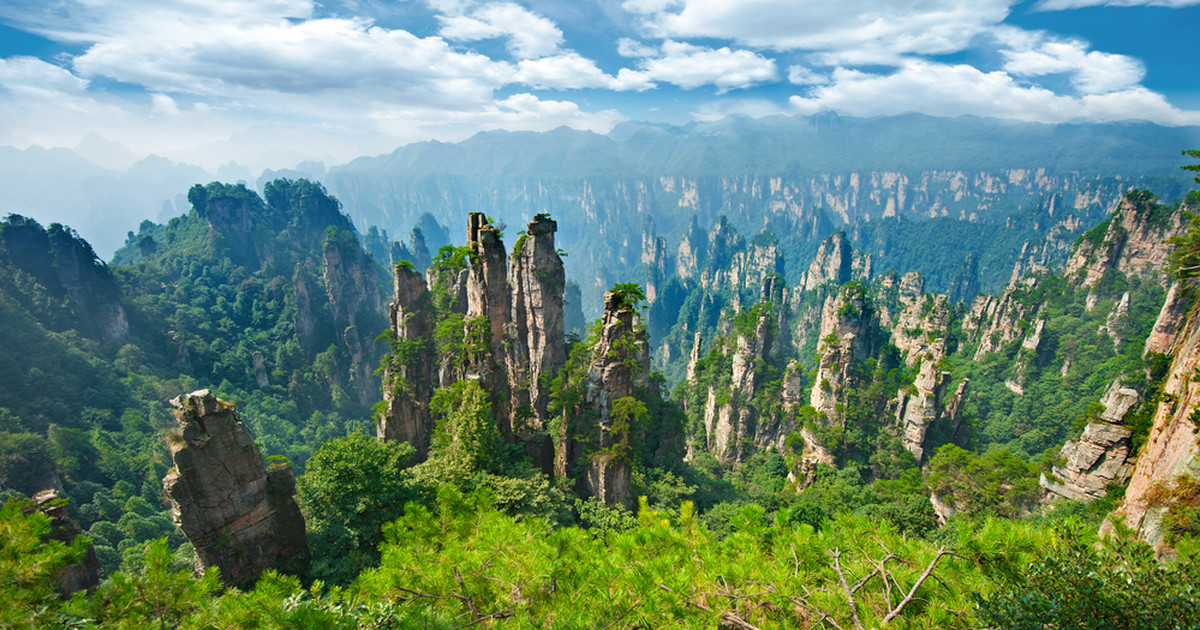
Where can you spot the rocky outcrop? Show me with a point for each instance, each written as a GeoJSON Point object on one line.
{"type": "Point", "coordinates": [833, 263]}
{"type": "Point", "coordinates": [84, 575]}
{"type": "Point", "coordinates": [239, 515]}
{"type": "Point", "coordinates": [995, 321]}
{"type": "Point", "coordinates": [733, 427]}
{"type": "Point", "coordinates": [693, 250]}
{"type": "Point", "coordinates": [919, 406]}
{"type": "Point", "coordinates": [1169, 322]}
{"type": "Point", "coordinates": [849, 331]}
{"type": "Point", "coordinates": [573, 319]}
{"type": "Point", "coordinates": [1100, 456]}
{"type": "Point", "coordinates": [410, 371]}
{"type": "Point", "coordinates": [654, 258]}
{"type": "Point", "coordinates": [67, 267]}
{"type": "Point", "coordinates": [1171, 449]}
{"type": "Point", "coordinates": [1131, 242]}
{"type": "Point", "coordinates": [355, 303]}
{"type": "Point", "coordinates": [538, 347]}
{"type": "Point", "coordinates": [619, 367]}
{"type": "Point", "coordinates": [512, 336]}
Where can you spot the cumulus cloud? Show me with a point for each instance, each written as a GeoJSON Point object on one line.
{"type": "Point", "coordinates": [1058, 5]}
{"type": "Point", "coordinates": [689, 66]}
{"type": "Point", "coordinates": [870, 29]}
{"type": "Point", "coordinates": [958, 89]}
{"type": "Point", "coordinates": [1091, 72]}
{"type": "Point", "coordinates": [529, 34]}
{"type": "Point", "coordinates": [343, 82]}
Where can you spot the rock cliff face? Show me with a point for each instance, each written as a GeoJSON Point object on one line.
{"type": "Point", "coordinates": [355, 303]}
{"type": "Point", "coordinates": [1101, 455]}
{"type": "Point", "coordinates": [512, 337]}
{"type": "Point", "coordinates": [411, 371]}
{"type": "Point", "coordinates": [75, 577]}
{"type": "Point", "coordinates": [923, 404]}
{"type": "Point", "coordinates": [733, 427]}
{"type": "Point", "coordinates": [538, 348]}
{"type": "Point", "coordinates": [239, 514]}
{"type": "Point", "coordinates": [620, 365]}
{"type": "Point", "coordinates": [67, 267]}
{"type": "Point", "coordinates": [833, 263]}
{"type": "Point", "coordinates": [994, 321]}
{"type": "Point", "coordinates": [1171, 449]}
{"type": "Point", "coordinates": [1132, 242]}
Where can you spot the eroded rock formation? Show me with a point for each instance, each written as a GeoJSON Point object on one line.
{"type": "Point", "coordinates": [512, 336]}
{"type": "Point", "coordinates": [1171, 449]}
{"type": "Point", "coordinates": [1101, 455]}
{"type": "Point", "coordinates": [620, 366]}
{"type": "Point", "coordinates": [238, 513]}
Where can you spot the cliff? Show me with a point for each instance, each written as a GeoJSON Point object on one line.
{"type": "Point", "coordinates": [1101, 455]}
{"type": "Point", "coordinates": [66, 267]}
{"type": "Point", "coordinates": [479, 314]}
{"type": "Point", "coordinates": [1130, 241]}
{"type": "Point", "coordinates": [239, 515]}
{"type": "Point", "coordinates": [411, 369]}
{"type": "Point", "coordinates": [1171, 450]}
{"type": "Point", "coordinates": [726, 384]}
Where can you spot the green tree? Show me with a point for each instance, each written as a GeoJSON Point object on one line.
{"type": "Point", "coordinates": [29, 563]}
{"type": "Point", "coordinates": [352, 486]}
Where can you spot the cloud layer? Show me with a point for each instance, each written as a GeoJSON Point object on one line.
{"type": "Point", "coordinates": [272, 80]}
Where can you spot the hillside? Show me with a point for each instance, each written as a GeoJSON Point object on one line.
{"type": "Point", "coordinates": [723, 444]}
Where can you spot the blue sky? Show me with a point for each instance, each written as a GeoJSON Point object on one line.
{"type": "Point", "coordinates": [267, 83]}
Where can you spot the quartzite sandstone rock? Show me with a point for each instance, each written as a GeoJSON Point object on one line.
{"type": "Point", "coordinates": [1100, 456]}
{"type": "Point", "coordinates": [239, 515]}
{"type": "Point", "coordinates": [411, 377]}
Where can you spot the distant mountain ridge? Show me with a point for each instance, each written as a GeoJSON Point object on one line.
{"type": "Point", "coordinates": [798, 176]}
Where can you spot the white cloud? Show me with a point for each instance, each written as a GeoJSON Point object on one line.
{"type": "Point", "coordinates": [954, 90]}
{"type": "Point", "coordinates": [572, 71]}
{"type": "Point", "coordinates": [32, 76]}
{"type": "Point", "coordinates": [1058, 5]}
{"type": "Point", "coordinates": [529, 35]}
{"type": "Point", "coordinates": [329, 88]}
{"type": "Point", "coordinates": [871, 29]}
{"type": "Point", "coordinates": [1092, 72]}
{"type": "Point", "coordinates": [631, 48]}
{"type": "Point", "coordinates": [800, 75]}
{"type": "Point", "coordinates": [163, 104]}
{"type": "Point", "coordinates": [689, 67]}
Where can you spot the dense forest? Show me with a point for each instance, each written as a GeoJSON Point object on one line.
{"type": "Point", "coordinates": [749, 435]}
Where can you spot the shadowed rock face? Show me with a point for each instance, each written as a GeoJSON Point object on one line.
{"type": "Point", "coordinates": [239, 515]}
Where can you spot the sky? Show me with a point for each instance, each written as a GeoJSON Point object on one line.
{"type": "Point", "coordinates": [268, 83]}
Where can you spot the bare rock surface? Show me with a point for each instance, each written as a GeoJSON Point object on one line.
{"type": "Point", "coordinates": [239, 515]}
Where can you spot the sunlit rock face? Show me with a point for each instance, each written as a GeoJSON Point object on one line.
{"type": "Point", "coordinates": [238, 513]}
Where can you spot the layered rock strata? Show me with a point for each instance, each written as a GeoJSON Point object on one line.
{"type": "Point", "coordinates": [1171, 449]}
{"type": "Point", "coordinates": [239, 515]}
{"type": "Point", "coordinates": [1101, 455]}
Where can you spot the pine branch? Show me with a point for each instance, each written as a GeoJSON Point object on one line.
{"type": "Point", "coordinates": [913, 591]}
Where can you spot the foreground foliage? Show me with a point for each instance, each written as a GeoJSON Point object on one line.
{"type": "Point", "coordinates": [467, 563]}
